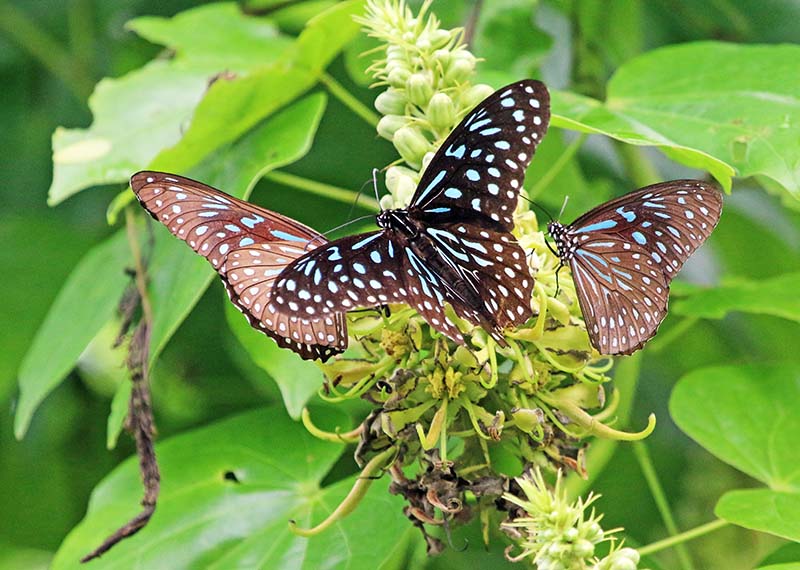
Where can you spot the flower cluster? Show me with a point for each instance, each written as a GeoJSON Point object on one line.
{"type": "Point", "coordinates": [557, 534]}
{"type": "Point", "coordinates": [473, 415]}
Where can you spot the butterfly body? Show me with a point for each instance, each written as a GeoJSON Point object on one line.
{"type": "Point", "coordinates": [453, 244]}
{"type": "Point", "coordinates": [624, 254]}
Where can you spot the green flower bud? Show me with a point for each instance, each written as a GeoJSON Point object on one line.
{"type": "Point", "coordinates": [420, 89]}
{"type": "Point", "coordinates": [583, 549]}
{"type": "Point", "coordinates": [398, 76]}
{"type": "Point", "coordinates": [411, 144]}
{"type": "Point", "coordinates": [390, 124]}
{"type": "Point", "coordinates": [475, 95]}
{"type": "Point", "coordinates": [629, 553]}
{"type": "Point", "coordinates": [391, 102]}
{"type": "Point", "coordinates": [527, 420]}
{"type": "Point", "coordinates": [441, 112]}
{"type": "Point", "coordinates": [439, 38]}
{"type": "Point", "coordinates": [401, 182]}
{"type": "Point", "coordinates": [442, 57]}
{"type": "Point", "coordinates": [571, 534]}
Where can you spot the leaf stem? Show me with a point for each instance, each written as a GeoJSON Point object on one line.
{"type": "Point", "coordinates": [648, 470]}
{"type": "Point", "coordinates": [682, 537]}
{"type": "Point", "coordinates": [348, 100]}
{"type": "Point", "coordinates": [319, 188]}
{"type": "Point", "coordinates": [638, 167]}
{"type": "Point", "coordinates": [44, 48]}
{"type": "Point", "coordinates": [557, 167]}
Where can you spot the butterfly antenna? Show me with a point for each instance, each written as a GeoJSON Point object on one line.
{"type": "Point", "coordinates": [563, 206]}
{"type": "Point", "coordinates": [375, 184]}
{"type": "Point", "coordinates": [340, 226]}
{"type": "Point", "coordinates": [355, 202]}
{"type": "Point", "coordinates": [542, 208]}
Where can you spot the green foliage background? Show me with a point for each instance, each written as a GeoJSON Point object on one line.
{"type": "Point", "coordinates": [731, 109]}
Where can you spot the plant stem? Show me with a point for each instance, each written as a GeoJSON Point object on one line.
{"type": "Point", "coordinates": [319, 188]}
{"type": "Point", "coordinates": [348, 100]}
{"type": "Point", "coordinates": [637, 166]}
{"type": "Point", "coordinates": [649, 472]}
{"type": "Point", "coordinates": [682, 537]}
{"type": "Point", "coordinates": [557, 167]}
{"type": "Point", "coordinates": [21, 29]}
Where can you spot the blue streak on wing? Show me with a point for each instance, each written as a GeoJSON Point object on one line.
{"type": "Point", "coordinates": [604, 225]}
{"type": "Point", "coordinates": [629, 216]}
{"type": "Point", "coordinates": [280, 234]}
{"type": "Point", "coordinates": [366, 240]}
{"type": "Point", "coordinates": [435, 182]}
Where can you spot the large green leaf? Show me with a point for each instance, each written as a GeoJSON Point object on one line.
{"type": "Point", "coordinates": [777, 296]}
{"type": "Point", "coordinates": [85, 303]}
{"type": "Point", "coordinates": [747, 416]}
{"type": "Point", "coordinates": [297, 379]}
{"type": "Point", "coordinates": [764, 510]}
{"type": "Point", "coordinates": [145, 111]}
{"type": "Point", "coordinates": [227, 494]}
{"type": "Point", "coordinates": [708, 105]}
{"type": "Point", "coordinates": [231, 108]}
{"type": "Point", "coordinates": [178, 276]}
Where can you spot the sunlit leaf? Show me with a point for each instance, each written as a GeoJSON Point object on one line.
{"type": "Point", "coordinates": [228, 492]}
{"type": "Point", "coordinates": [777, 296]}
{"type": "Point", "coordinates": [708, 105]}
{"type": "Point", "coordinates": [764, 510]}
{"type": "Point", "coordinates": [747, 416]}
{"type": "Point", "coordinates": [145, 111]}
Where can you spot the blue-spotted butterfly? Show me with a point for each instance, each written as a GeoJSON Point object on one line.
{"type": "Point", "coordinates": [248, 246]}
{"type": "Point", "coordinates": [453, 244]}
{"type": "Point", "coordinates": [624, 253]}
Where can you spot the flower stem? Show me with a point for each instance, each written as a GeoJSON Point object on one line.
{"type": "Point", "coordinates": [682, 537]}
{"type": "Point", "coordinates": [319, 188]}
{"type": "Point", "coordinates": [648, 470]}
{"type": "Point", "coordinates": [347, 99]}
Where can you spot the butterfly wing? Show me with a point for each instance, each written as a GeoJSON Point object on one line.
{"type": "Point", "coordinates": [248, 246]}
{"type": "Point", "coordinates": [624, 254]}
{"type": "Point", "coordinates": [478, 170]}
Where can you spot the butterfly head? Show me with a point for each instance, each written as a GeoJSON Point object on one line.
{"type": "Point", "coordinates": [559, 234]}
{"type": "Point", "coordinates": [396, 220]}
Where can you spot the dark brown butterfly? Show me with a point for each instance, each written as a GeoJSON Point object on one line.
{"type": "Point", "coordinates": [249, 246]}
{"type": "Point", "coordinates": [623, 255]}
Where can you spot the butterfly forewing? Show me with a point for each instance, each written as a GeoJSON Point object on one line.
{"type": "Point", "coordinates": [247, 245]}
{"type": "Point", "coordinates": [479, 169]}
{"type": "Point", "coordinates": [623, 255]}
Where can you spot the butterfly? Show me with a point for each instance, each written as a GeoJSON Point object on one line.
{"type": "Point", "coordinates": [248, 246]}
{"type": "Point", "coordinates": [452, 244]}
{"type": "Point", "coordinates": [623, 255]}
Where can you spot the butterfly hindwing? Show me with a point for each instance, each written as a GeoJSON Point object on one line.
{"type": "Point", "coordinates": [478, 170]}
{"type": "Point", "coordinates": [247, 245]}
{"type": "Point", "coordinates": [624, 254]}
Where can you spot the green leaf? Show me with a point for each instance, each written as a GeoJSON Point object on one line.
{"type": "Point", "coordinates": [231, 108]}
{"type": "Point", "coordinates": [119, 412]}
{"type": "Point", "coordinates": [297, 379]}
{"type": "Point", "coordinates": [228, 491]}
{"type": "Point", "coordinates": [145, 111]}
{"type": "Point", "coordinates": [747, 416]}
{"type": "Point", "coordinates": [239, 42]}
{"type": "Point", "coordinates": [782, 558]}
{"type": "Point", "coordinates": [708, 105]}
{"type": "Point", "coordinates": [764, 510]}
{"type": "Point", "coordinates": [14, 557]}
{"type": "Point", "coordinates": [178, 277]}
{"type": "Point", "coordinates": [85, 303]}
{"type": "Point", "coordinates": [777, 296]}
